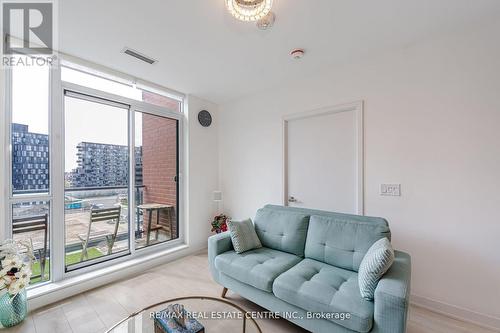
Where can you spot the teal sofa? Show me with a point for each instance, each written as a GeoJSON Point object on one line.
{"type": "Point", "coordinates": [306, 271]}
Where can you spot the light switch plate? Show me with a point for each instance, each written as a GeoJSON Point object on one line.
{"type": "Point", "coordinates": [390, 190]}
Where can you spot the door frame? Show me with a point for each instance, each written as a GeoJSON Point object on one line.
{"type": "Point", "coordinates": [358, 108]}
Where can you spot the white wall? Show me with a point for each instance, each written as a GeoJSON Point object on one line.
{"type": "Point", "coordinates": [432, 118]}
{"type": "Point", "coordinates": [203, 177]}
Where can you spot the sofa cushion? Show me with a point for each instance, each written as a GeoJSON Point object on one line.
{"type": "Point", "coordinates": [243, 235]}
{"type": "Point", "coordinates": [318, 287]}
{"type": "Point", "coordinates": [282, 230]}
{"type": "Point", "coordinates": [342, 240]}
{"type": "Point", "coordinates": [257, 268]}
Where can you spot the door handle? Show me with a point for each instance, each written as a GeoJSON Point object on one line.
{"type": "Point", "coordinates": [292, 199]}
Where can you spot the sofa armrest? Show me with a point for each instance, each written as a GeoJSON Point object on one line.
{"type": "Point", "coordinates": [392, 296]}
{"type": "Point", "coordinates": [218, 244]}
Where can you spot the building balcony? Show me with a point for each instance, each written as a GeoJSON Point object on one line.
{"type": "Point", "coordinates": [78, 205]}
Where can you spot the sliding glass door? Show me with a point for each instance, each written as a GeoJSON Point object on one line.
{"type": "Point", "coordinates": [120, 175]}
{"type": "Point", "coordinates": [96, 178]}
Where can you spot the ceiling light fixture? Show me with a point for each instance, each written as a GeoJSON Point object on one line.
{"type": "Point", "coordinates": [249, 10]}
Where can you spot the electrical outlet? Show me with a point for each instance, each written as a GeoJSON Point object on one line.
{"type": "Point", "coordinates": [390, 190]}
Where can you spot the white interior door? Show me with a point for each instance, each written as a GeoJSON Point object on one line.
{"type": "Point", "coordinates": [324, 159]}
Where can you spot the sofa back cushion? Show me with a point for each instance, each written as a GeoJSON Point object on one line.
{"type": "Point", "coordinates": [342, 240]}
{"type": "Point", "coordinates": [282, 229]}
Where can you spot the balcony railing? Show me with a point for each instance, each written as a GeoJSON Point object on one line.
{"type": "Point", "coordinates": [79, 201]}
{"type": "Point", "coordinates": [86, 198]}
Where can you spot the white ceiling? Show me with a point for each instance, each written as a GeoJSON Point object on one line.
{"type": "Point", "coordinates": [202, 50]}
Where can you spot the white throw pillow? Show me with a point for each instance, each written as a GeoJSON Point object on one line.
{"type": "Point", "coordinates": [374, 265]}
{"type": "Point", "coordinates": [243, 235]}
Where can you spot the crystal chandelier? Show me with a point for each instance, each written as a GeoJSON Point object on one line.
{"type": "Point", "coordinates": [249, 10]}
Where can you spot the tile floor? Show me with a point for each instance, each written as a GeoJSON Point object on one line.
{"type": "Point", "coordinates": [99, 309]}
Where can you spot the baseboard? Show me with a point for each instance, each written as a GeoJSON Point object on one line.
{"type": "Point", "coordinates": [455, 312]}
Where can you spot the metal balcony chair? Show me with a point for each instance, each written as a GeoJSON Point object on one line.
{"type": "Point", "coordinates": [30, 224]}
{"type": "Point", "coordinates": [101, 215]}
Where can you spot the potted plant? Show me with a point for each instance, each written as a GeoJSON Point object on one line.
{"type": "Point", "coordinates": [219, 224]}
{"type": "Point", "coordinates": [16, 259]}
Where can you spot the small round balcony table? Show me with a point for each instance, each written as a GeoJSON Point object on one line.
{"type": "Point", "coordinates": [151, 208]}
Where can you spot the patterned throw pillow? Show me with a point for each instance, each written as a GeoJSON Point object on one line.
{"type": "Point", "coordinates": [243, 235]}
{"type": "Point", "coordinates": [374, 265]}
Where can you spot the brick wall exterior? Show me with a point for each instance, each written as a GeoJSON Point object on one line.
{"type": "Point", "coordinates": [160, 100]}
{"type": "Point", "coordinates": [159, 159]}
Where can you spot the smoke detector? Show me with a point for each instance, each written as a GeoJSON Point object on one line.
{"type": "Point", "coordinates": [297, 54]}
{"type": "Point", "coordinates": [266, 22]}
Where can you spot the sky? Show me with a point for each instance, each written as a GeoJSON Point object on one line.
{"type": "Point", "coordinates": [84, 120]}
{"type": "Point", "coordinates": [31, 110]}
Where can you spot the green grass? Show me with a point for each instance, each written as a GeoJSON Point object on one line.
{"type": "Point", "coordinates": [75, 257]}
{"type": "Point", "coordinates": [70, 259]}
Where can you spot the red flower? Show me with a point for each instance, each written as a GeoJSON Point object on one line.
{"type": "Point", "coordinates": [219, 223]}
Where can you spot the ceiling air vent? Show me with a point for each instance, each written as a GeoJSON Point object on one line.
{"type": "Point", "coordinates": [139, 56]}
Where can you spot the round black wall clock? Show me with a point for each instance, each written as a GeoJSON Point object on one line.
{"type": "Point", "coordinates": [205, 118]}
